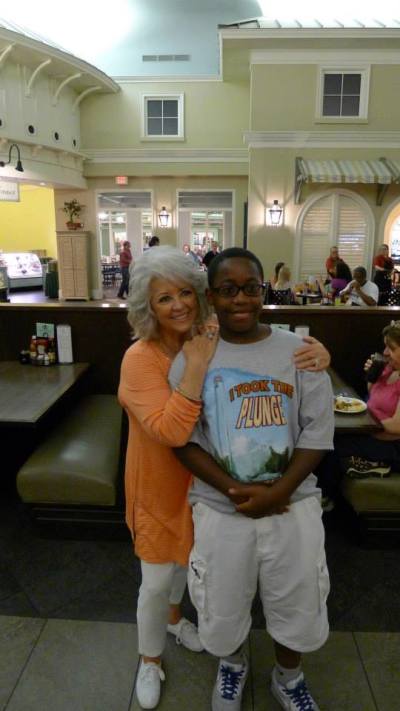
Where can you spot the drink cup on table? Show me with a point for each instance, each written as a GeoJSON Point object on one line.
{"type": "Point", "coordinates": [377, 366]}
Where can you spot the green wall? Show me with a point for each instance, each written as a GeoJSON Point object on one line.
{"type": "Point", "coordinates": [216, 114]}
{"type": "Point", "coordinates": [284, 98]}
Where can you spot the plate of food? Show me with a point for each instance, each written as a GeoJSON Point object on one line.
{"type": "Point", "coordinates": [348, 405]}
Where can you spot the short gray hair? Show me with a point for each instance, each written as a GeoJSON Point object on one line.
{"type": "Point", "coordinates": [165, 263]}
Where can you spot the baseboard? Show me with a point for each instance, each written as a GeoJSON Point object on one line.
{"type": "Point", "coordinates": [79, 522]}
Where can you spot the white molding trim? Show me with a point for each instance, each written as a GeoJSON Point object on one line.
{"type": "Point", "coordinates": [311, 33]}
{"type": "Point", "coordinates": [322, 139]}
{"type": "Point", "coordinates": [68, 60]}
{"type": "Point", "coordinates": [169, 155]}
{"type": "Point", "coordinates": [181, 79]}
{"type": "Point", "coordinates": [336, 57]}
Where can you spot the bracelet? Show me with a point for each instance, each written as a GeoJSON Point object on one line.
{"type": "Point", "coordinates": [198, 400]}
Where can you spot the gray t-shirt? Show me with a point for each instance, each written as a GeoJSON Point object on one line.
{"type": "Point", "coordinates": [257, 409]}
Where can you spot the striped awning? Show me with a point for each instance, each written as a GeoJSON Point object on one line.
{"type": "Point", "coordinates": [394, 166]}
{"type": "Point", "coordinates": [345, 171]}
{"type": "Point", "coordinates": [381, 172]}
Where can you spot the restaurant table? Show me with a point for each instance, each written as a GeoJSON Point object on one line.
{"type": "Point", "coordinates": [28, 392]}
{"type": "Point", "coordinates": [351, 423]}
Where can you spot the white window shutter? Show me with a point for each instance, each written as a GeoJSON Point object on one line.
{"type": "Point", "coordinates": [315, 238]}
{"type": "Point", "coordinates": [352, 233]}
{"type": "Point", "coordinates": [334, 220]}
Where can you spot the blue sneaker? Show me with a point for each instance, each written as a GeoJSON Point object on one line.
{"type": "Point", "coordinates": [293, 696]}
{"type": "Point", "coordinates": [228, 689]}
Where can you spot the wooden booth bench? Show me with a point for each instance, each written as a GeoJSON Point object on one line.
{"type": "Point", "coordinates": [375, 501]}
{"type": "Point", "coordinates": [72, 481]}
{"type": "Point", "coordinates": [377, 504]}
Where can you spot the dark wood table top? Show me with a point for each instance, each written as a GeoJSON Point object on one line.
{"type": "Point", "coordinates": [27, 392]}
{"type": "Point", "coordinates": [348, 423]}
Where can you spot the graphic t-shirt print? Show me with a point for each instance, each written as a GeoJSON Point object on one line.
{"type": "Point", "coordinates": [247, 423]}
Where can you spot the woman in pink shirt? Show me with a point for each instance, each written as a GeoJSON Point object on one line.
{"type": "Point", "coordinates": [361, 456]}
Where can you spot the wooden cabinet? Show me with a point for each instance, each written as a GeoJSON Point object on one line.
{"type": "Point", "coordinates": [73, 264]}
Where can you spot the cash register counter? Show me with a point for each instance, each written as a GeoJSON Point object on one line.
{"type": "Point", "coordinates": [101, 333]}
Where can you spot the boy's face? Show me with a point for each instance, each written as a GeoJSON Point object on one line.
{"type": "Point", "coordinates": [237, 315]}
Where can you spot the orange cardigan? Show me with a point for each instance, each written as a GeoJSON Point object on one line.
{"type": "Point", "coordinates": [156, 484]}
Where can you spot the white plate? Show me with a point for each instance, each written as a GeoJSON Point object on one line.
{"type": "Point", "coordinates": [348, 405]}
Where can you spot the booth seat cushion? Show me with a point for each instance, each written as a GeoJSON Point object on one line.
{"type": "Point", "coordinates": [373, 494]}
{"type": "Point", "coordinates": [78, 463]}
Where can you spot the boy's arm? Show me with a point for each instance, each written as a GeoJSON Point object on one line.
{"type": "Point", "coordinates": [257, 496]}
{"type": "Point", "coordinates": [204, 466]}
{"type": "Point", "coordinates": [271, 498]}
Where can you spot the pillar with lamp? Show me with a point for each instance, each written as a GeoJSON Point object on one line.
{"type": "Point", "coordinates": [18, 164]}
{"type": "Point", "coordinates": [275, 214]}
{"type": "Point", "coordinates": [164, 217]}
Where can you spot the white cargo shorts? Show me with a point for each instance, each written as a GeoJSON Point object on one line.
{"type": "Point", "coordinates": [283, 553]}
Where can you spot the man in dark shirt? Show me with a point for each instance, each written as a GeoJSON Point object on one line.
{"type": "Point", "coordinates": [125, 259]}
{"type": "Point", "coordinates": [209, 256]}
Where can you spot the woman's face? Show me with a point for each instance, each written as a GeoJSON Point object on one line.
{"type": "Point", "coordinates": [174, 305]}
{"type": "Point", "coordinates": [392, 353]}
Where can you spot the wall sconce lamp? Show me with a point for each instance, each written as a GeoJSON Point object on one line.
{"type": "Point", "coordinates": [19, 164]}
{"type": "Point", "coordinates": [275, 214]}
{"type": "Point", "coordinates": [164, 217]}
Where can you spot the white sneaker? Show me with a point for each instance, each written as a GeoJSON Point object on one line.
{"type": "Point", "coordinates": [186, 634]}
{"type": "Point", "coordinates": [293, 696]}
{"type": "Point", "coordinates": [228, 689]}
{"type": "Point", "coordinates": [148, 684]}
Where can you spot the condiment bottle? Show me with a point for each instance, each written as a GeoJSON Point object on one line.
{"type": "Point", "coordinates": [33, 350]}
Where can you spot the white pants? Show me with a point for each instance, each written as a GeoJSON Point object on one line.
{"type": "Point", "coordinates": [162, 585]}
{"type": "Point", "coordinates": [283, 553]}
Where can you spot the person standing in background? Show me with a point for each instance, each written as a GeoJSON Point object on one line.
{"type": "Point", "coordinates": [383, 269]}
{"type": "Point", "coordinates": [210, 254]}
{"type": "Point", "coordinates": [154, 241]}
{"type": "Point", "coordinates": [332, 261]}
{"type": "Point", "coordinates": [189, 253]}
{"type": "Point", "coordinates": [125, 260]}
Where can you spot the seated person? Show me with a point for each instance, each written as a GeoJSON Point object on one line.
{"type": "Point", "coordinates": [274, 279]}
{"type": "Point", "coordinates": [361, 291]}
{"type": "Point", "coordinates": [342, 277]}
{"type": "Point", "coordinates": [282, 292]}
{"type": "Point", "coordinates": [365, 455]}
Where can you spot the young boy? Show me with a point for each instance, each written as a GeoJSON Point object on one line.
{"type": "Point", "coordinates": [256, 506]}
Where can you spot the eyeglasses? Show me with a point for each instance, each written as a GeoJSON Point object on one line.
{"type": "Point", "coordinates": [231, 290]}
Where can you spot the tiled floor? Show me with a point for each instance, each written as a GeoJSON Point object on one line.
{"type": "Point", "coordinates": [69, 665]}
{"type": "Point", "coordinates": [68, 632]}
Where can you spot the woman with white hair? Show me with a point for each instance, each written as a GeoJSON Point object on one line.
{"type": "Point", "coordinates": [167, 311]}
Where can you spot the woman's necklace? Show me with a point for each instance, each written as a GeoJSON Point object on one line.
{"type": "Point", "coordinates": [167, 350]}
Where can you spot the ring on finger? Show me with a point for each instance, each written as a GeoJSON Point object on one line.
{"type": "Point", "coordinates": [316, 363]}
{"type": "Point", "coordinates": [210, 335]}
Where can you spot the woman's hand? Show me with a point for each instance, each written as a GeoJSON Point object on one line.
{"type": "Point", "coordinates": [202, 347]}
{"type": "Point", "coordinates": [368, 364]}
{"type": "Point", "coordinates": [313, 356]}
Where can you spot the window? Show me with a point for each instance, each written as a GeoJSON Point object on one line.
{"type": "Point", "coordinates": [343, 94]}
{"type": "Point", "coordinates": [163, 117]}
{"type": "Point", "coordinates": [336, 219]}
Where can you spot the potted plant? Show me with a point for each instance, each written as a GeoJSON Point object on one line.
{"type": "Point", "coordinates": [73, 209]}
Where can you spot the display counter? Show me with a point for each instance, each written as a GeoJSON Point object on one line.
{"type": "Point", "coordinates": [23, 269]}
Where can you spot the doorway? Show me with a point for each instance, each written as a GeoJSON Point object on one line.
{"type": "Point", "coordinates": [205, 216]}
